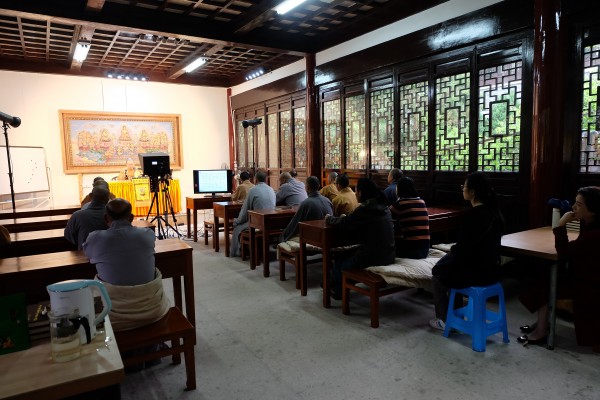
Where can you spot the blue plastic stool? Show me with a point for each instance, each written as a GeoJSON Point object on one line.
{"type": "Point", "coordinates": [474, 318]}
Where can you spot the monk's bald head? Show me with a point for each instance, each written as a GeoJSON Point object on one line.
{"type": "Point", "coordinates": [119, 209]}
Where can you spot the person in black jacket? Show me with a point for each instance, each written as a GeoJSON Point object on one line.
{"type": "Point", "coordinates": [371, 226]}
{"type": "Point", "coordinates": [474, 259]}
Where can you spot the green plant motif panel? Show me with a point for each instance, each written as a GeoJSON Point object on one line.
{"type": "Point", "coordinates": [286, 138]}
{"type": "Point", "coordinates": [273, 140]}
{"type": "Point", "coordinates": [300, 159]}
{"type": "Point", "coordinates": [332, 136]}
{"type": "Point", "coordinates": [356, 157]}
{"type": "Point", "coordinates": [414, 142]}
{"type": "Point", "coordinates": [241, 150]}
{"type": "Point", "coordinates": [499, 122]}
{"type": "Point", "coordinates": [452, 122]}
{"type": "Point", "coordinates": [590, 113]}
{"type": "Point", "coordinates": [382, 129]}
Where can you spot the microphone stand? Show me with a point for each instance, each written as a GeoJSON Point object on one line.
{"type": "Point", "coordinates": [10, 175]}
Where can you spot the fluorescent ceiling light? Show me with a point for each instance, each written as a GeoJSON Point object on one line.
{"type": "Point", "coordinates": [195, 64]}
{"type": "Point", "coordinates": [287, 5]}
{"type": "Point", "coordinates": [81, 51]}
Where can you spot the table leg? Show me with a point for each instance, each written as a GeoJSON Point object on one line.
{"type": "Point", "coordinates": [552, 305]}
{"type": "Point", "coordinates": [266, 255]}
{"type": "Point", "coordinates": [252, 252]}
{"type": "Point", "coordinates": [195, 224]}
{"type": "Point", "coordinates": [226, 228]}
{"type": "Point", "coordinates": [216, 233]}
{"type": "Point", "coordinates": [326, 269]}
{"type": "Point", "coordinates": [303, 270]}
{"type": "Point", "coordinates": [188, 289]}
{"type": "Point", "coordinates": [189, 233]}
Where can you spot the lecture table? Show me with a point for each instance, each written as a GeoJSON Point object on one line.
{"type": "Point", "coordinates": [31, 374]}
{"type": "Point", "coordinates": [14, 225]}
{"type": "Point", "coordinates": [267, 221]}
{"type": "Point", "coordinates": [538, 243]}
{"type": "Point", "coordinates": [31, 274]}
{"type": "Point", "coordinates": [227, 210]}
{"type": "Point", "coordinates": [200, 202]}
{"type": "Point", "coordinates": [38, 212]}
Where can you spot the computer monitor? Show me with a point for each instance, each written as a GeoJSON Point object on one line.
{"type": "Point", "coordinates": [213, 181]}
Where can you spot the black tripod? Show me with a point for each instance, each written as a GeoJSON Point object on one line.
{"type": "Point", "coordinates": [163, 204]}
{"type": "Point", "coordinates": [10, 174]}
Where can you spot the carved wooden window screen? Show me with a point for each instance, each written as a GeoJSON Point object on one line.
{"type": "Point", "coordinates": [354, 111]}
{"type": "Point", "coordinates": [332, 137]}
{"type": "Point", "coordinates": [300, 154]}
{"type": "Point", "coordinates": [382, 128]}
{"type": "Point", "coordinates": [414, 127]}
{"type": "Point", "coordinates": [590, 114]}
{"type": "Point", "coordinates": [286, 138]}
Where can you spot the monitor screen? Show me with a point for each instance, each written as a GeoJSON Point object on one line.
{"type": "Point", "coordinates": [213, 181]}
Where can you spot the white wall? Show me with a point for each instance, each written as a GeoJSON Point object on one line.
{"type": "Point", "coordinates": [36, 99]}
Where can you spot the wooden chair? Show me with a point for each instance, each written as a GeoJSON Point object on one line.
{"type": "Point", "coordinates": [209, 225]}
{"type": "Point", "coordinates": [173, 327]}
{"type": "Point", "coordinates": [292, 256]}
{"type": "Point", "coordinates": [245, 244]}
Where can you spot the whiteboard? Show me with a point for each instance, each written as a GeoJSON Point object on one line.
{"type": "Point", "coordinates": [28, 168]}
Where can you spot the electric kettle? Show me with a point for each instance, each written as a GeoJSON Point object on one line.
{"type": "Point", "coordinates": [72, 295]}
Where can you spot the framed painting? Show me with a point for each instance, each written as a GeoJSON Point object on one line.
{"type": "Point", "coordinates": [95, 142]}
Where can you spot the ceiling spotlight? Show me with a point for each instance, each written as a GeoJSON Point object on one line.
{"type": "Point", "coordinates": [255, 74]}
{"type": "Point", "coordinates": [81, 50]}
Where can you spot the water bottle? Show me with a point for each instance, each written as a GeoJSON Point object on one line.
{"type": "Point", "coordinates": [555, 217]}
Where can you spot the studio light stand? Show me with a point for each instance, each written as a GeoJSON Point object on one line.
{"type": "Point", "coordinates": [14, 122]}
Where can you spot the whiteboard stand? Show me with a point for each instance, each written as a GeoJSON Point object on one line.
{"type": "Point", "coordinates": [30, 178]}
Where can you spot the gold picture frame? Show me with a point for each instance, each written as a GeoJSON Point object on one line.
{"type": "Point", "coordinates": [94, 142]}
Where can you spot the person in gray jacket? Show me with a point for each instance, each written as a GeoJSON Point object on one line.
{"type": "Point", "coordinates": [88, 219]}
{"type": "Point", "coordinates": [261, 196]}
{"type": "Point", "coordinates": [291, 192]}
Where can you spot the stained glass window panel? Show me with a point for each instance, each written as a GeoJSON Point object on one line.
{"type": "Point", "coordinates": [356, 156]}
{"type": "Point", "coordinates": [261, 162]}
{"type": "Point", "coordinates": [332, 139]}
{"type": "Point", "coordinates": [273, 141]}
{"type": "Point", "coordinates": [452, 122]}
{"type": "Point", "coordinates": [590, 115]}
{"type": "Point", "coordinates": [286, 138]}
{"type": "Point", "coordinates": [382, 129]}
{"type": "Point", "coordinates": [300, 159]}
{"type": "Point", "coordinates": [241, 159]}
{"type": "Point", "coordinates": [250, 133]}
{"type": "Point", "coordinates": [414, 142]}
{"type": "Point", "coordinates": [499, 137]}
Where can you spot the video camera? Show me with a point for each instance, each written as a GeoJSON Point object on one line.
{"type": "Point", "coordinates": [155, 165]}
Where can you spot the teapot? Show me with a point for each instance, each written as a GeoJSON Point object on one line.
{"type": "Point", "coordinates": [69, 295]}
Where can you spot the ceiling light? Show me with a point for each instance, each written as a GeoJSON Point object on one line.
{"type": "Point", "coordinates": [287, 5]}
{"type": "Point", "coordinates": [255, 74]}
{"type": "Point", "coordinates": [81, 50]}
{"type": "Point", "coordinates": [194, 64]}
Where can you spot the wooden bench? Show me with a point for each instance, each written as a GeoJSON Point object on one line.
{"type": "Point", "coordinates": [173, 327]}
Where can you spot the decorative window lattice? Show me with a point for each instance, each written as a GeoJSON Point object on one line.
{"type": "Point", "coordinates": [241, 146]}
{"type": "Point", "coordinates": [273, 141]}
{"type": "Point", "coordinates": [250, 132]}
{"type": "Point", "coordinates": [452, 122]}
{"type": "Point", "coordinates": [300, 159]}
{"type": "Point", "coordinates": [499, 139]}
{"type": "Point", "coordinates": [332, 137]}
{"type": "Point", "coordinates": [382, 129]}
{"type": "Point", "coordinates": [414, 142]}
{"type": "Point", "coordinates": [590, 113]}
{"type": "Point", "coordinates": [355, 132]}
{"type": "Point", "coordinates": [286, 139]}
{"type": "Point", "coordinates": [262, 146]}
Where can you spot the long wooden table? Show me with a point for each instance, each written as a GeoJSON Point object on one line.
{"type": "Point", "coordinates": [227, 210]}
{"type": "Point", "coordinates": [200, 202]}
{"type": "Point", "coordinates": [38, 212]}
{"type": "Point", "coordinates": [14, 225]}
{"type": "Point", "coordinates": [267, 221]}
{"type": "Point", "coordinates": [31, 274]}
{"type": "Point", "coordinates": [31, 374]}
{"type": "Point", "coordinates": [538, 243]}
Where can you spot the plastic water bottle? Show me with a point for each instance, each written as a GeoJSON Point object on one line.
{"type": "Point", "coordinates": [555, 217]}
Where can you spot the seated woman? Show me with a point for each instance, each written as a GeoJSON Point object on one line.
{"type": "Point", "coordinates": [583, 275]}
{"type": "Point", "coordinates": [411, 221]}
{"type": "Point", "coordinates": [474, 259]}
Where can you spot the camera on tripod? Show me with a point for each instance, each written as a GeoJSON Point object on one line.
{"type": "Point", "coordinates": [157, 167]}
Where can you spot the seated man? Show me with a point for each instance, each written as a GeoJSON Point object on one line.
{"type": "Point", "coordinates": [97, 181]}
{"type": "Point", "coordinates": [330, 191]}
{"type": "Point", "coordinates": [345, 202]}
{"type": "Point", "coordinates": [316, 206]}
{"type": "Point", "coordinates": [124, 259]}
{"type": "Point", "coordinates": [88, 219]}
{"type": "Point", "coordinates": [261, 196]}
{"type": "Point", "coordinates": [291, 191]}
{"type": "Point", "coordinates": [241, 192]}
{"type": "Point", "coordinates": [390, 192]}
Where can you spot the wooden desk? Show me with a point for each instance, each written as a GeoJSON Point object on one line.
{"type": "Point", "coordinates": [318, 233]}
{"type": "Point", "coordinates": [444, 219]}
{"type": "Point", "coordinates": [38, 212]}
{"type": "Point", "coordinates": [227, 210]}
{"type": "Point", "coordinates": [31, 374]}
{"type": "Point", "coordinates": [200, 202]}
{"type": "Point", "coordinates": [31, 274]}
{"type": "Point", "coordinates": [538, 243]}
{"type": "Point", "coordinates": [126, 190]}
{"type": "Point", "coordinates": [267, 221]}
{"type": "Point", "coordinates": [14, 225]}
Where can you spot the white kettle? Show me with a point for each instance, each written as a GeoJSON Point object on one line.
{"type": "Point", "coordinates": [67, 296]}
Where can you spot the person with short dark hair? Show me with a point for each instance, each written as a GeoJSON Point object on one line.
{"type": "Point", "coordinates": [371, 226]}
{"type": "Point", "coordinates": [315, 206]}
{"type": "Point", "coordinates": [330, 191]}
{"type": "Point", "coordinates": [411, 221]}
{"type": "Point", "coordinates": [345, 202]}
{"type": "Point", "coordinates": [394, 176]}
{"type": "Point", "coordinates": [291, 192]}
{"type": "Point", "coordinates": [88, 219]}
{"type": "Point", "coordinates": [241, 192]}
{"type": "Point", "coordinates": [580, 282]}
{"type": "Point", "coordinates": [98, 181]}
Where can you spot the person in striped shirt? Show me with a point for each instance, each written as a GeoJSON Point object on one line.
{"type": "Point", "coordinates": [411, 221]}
